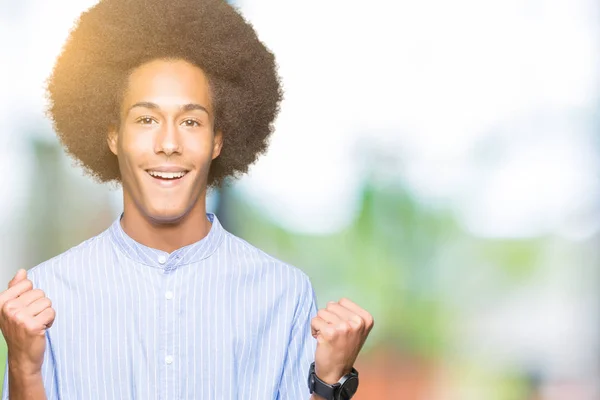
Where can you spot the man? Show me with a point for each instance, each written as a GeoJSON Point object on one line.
{"type": "Point", "coordinates": [169, 98]}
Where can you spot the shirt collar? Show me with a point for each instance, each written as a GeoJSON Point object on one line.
{"type": "Point", "coordinates": [161, 259]}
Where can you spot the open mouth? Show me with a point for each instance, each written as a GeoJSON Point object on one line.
{"type": "Point", "coordinates": [167, 176]}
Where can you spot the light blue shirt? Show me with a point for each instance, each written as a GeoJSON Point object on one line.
{"type": "Point", "coordinates": [218, 319]}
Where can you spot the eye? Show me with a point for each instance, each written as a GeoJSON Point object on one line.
{"type": "Point", "coordinates": [145, 120]}
{"type": "Point", "coordinates": [191, 123]}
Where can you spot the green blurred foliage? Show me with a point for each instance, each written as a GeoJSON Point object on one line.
{"type": "Point", "coordinates": [3, 355]}
{"type": "Point", "coordinates": [406, 262]}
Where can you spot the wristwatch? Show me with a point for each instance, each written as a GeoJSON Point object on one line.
{"type": "Point", "coordinates": [344, 389]}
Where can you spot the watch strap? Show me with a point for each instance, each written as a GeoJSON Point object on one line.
{"type": "Point", "coordinates": [319, 387]}
{"type": "Point", "coordinates": [325, 390]}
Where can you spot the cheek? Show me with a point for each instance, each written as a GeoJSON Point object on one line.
{"type": "Point", "coordinates": [132, 149]}
{"type": "Point", "coordinates": [132, 140]}
{"type": "Point", "coordinates": [202, 148]}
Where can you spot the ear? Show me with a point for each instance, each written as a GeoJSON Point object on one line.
{"type": "Point", "coordinates": [218, 144]}
{"type": "Point", "coordinates": [111, 139]}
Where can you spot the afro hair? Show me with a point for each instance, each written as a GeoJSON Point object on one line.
{"type": "Point", "coordinates": [116, 36]}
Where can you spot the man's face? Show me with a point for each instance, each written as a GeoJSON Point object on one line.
{"type": "Point", "coordinates": [166, 142]}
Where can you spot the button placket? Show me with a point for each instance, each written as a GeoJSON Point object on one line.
{"type": "Point", "coordinates": [169, 349]}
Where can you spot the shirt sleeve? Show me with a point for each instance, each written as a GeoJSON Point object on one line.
{"type": "Point", "coordinates": [301, 349]}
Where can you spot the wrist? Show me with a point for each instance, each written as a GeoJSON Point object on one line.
{"type": "Point", "coordinates": [23, 368]}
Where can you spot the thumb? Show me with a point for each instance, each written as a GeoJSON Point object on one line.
{"type": "Point", "coordinates": [19, 276]}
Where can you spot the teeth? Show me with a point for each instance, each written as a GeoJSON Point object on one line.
{"type": "Point", "coordinates": [167, 175]}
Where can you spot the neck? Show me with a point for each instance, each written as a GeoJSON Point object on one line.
{"type": "Point", "coordinates": [166, 236]}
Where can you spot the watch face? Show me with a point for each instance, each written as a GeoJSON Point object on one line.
{"type": "Point", "coordinates": [349, 388]}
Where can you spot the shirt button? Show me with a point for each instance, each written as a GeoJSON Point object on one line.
{"type": "Point", "coordinates": [169, 295]}
{"type": "Point", "coordinates": [162, 259]}
{"type": "Point", "coordinates": [169, 359]}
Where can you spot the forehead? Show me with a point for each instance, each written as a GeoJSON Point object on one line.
{"type": "Point", "coordinates": [168, 82]}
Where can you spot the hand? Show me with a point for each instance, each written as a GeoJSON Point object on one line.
{"type": "Point", "coordinates": [25, 314]}
{"type": "Point", "coordinates": [341, 330]}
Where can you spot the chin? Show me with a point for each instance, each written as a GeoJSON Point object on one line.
{"type": "Point", "coordinates": [166, 216]}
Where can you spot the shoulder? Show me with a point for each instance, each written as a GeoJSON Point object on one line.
{"type": "Point", "coordinates": [289, 285]}
{"type": "Point", "coordinates": [76, 257]}
{"type": "Point", "coordinates": [257, 261]}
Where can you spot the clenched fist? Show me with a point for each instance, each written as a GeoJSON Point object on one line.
{"type": "Point", "coordinates": [341, 330]}
{"type": "Point", "coordinates": [25, 314]}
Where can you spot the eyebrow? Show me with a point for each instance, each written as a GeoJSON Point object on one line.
{"type": "Point", "coordinates": [154, 106]}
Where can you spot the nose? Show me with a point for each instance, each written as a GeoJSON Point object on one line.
{"type": "Point", "coordinates": [168, 141]}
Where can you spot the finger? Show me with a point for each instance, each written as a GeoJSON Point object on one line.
{"type": "Point", "coordinates": [345, 314]}
{"type": "Point", "coordinates": [341, 311]}
{"type": "Point", "coordinates": [364, 314]}
{"type": "Point", "coordinates": [19, 276]}
{"type": "Point", "coordinates": [317, 325]}
{"type": "Point", "coordinates": [46, 317]}
{"type": "Point", "coordinates": [15, 291]}
{"type": "Point", "coordinates": [328, 316]}
{"type": "Point", "coordinates": [38, 306]}
{"type": "Point", "coordinates": [29, 297]}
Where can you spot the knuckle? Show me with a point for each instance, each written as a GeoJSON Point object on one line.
{"type": "Point", "coordinates": [19, 318]}
{"type": "Point", "coordinates": [359, 321]}
{"type": "Point", "coordinates": [329, 333]}
{"type": "Point", "coordinates": [343, 327]}
{"type": "Point", "coordinates": [9, 308]}
{"type": "Point", "coordinates": [42, 303]}
{"type": "Point", "coordinates": [321, 313]}
{"type": "Point", "coordinates": [370, 321]}
{"type": "Point", "coordinates": [31, 326]}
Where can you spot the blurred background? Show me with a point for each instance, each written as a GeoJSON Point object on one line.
{"type": "Point", "coordinates": [437, 162]}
